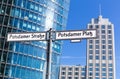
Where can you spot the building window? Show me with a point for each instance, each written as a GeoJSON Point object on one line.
{"type": "Point", "coordinates": [40, 9]}
{"type": "Point", "coordinates": [104, 57]}
{"type": "Point", "coordinates": [104, 69]}
{"type": "Point", "coordinates": [109, 31]}
{"type": "Point", "coordinates": [63, 73]}
{"type": "Point", "coordinates": [90, 27]}
{"type": "Point", "coordinates": [76, 69]}
{"type": "Point", "coordinates": [69, 77]}
{"type": "Point", "coordinates": [97, 26]}
{"type": "Point", "coordinates": [110, 57]}
{"type": "Point", "coordinates": [90, 69]}
{"type": "Point", "coordinates": [97, 74]}
{"type": "Point", "coordinates": [109, 36]}
{"type": "Point", "coordinates": [110, 65]}
{"type": "Point", "coordinates": [90, 78]}
{"type": "Point", "coordinates": [76, 73]}
{"type": "Point", "coordinates": [103, 47]}
{"type": "Point", "coordinates": [103, 51]}
{"type": "Point", "coordinates": [97, 78]}
{"type": "Point", "coordinates": [90, 46]}
{"type": "Point", "coordinates": [97, 51]}
{"type": "Point", "coordinates": [103, 65]}
{"type": "Point", "coordinates": [103, 36]}
{"type": "Point", "coordinates": [83, 78]}
{"type": "Point", "coordinates": [90, 51]}
{"type": "Point", "coordinates": [90, 73]}
{"type": "Point", "coordinates": [103, 74]}
{"type": "Point", "coordinates": [109, 27]}
{"type": "Point", "coordinates": [97, 57]}
{"type": "Point", "coordinates": [97, 64]}
{"type": "Point", "coordinates": [109, 41]}
{"type": "Point", "coordinates": [32, 6]}
{"type": "Point", "coordinates": [97, 46]}
{"type": "Point", "coordinates": [69, 73]}
{"type": "Point", "coordinates": [110, 74]}
{"type": "Point", "coordinates": [103, 31]}
{"type": "Point", "coordinates": [109, 51]}
{"type": "Point", "coordinates": [83, 69]}
{"type": "Point", "coordinates": [83, 73]}
{"type": "Point", "coordinates": [36, 7]}
{"type": "Point", "coordinates": [104, 78]}
{"type": "Point", "coordinates": [63, 77]}
{"type": "Point", "coordinates": [69, 69]}
{"type": "Point", "coordinates": [90, 64]}
{"type": "Point", "coordinates": [90, 57]}
{"type": "Point", "coordinates": [91, 41]}
{"type": "Point", "coordinates": [110, 69]}
{"type": "Point", "coordinates": [97, 41]}
{"type": "Point", "coordinates": [109, 46]}
{"type": "Point", "coordinates": [103, 42]}
{"type": "Point", "coordinates": [103, 26]}
{"type": "Point", "coordinates": [96, 69]}
{"type": "Point", "coordinates": [76, 78]}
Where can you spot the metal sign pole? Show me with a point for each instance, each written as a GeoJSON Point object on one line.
{"type": "Point", "coordinates": [49, 55]}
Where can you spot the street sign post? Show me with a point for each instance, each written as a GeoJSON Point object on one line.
{"type": "Point", "coordinates": [49, 37]}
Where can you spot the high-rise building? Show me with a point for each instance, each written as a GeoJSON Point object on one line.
{"type": "Point", "coordinates": [100, 51]}
{"type": "Point", "coordinates": [27, 60]}
{"type": "Point", "coordinates": [72, 72]}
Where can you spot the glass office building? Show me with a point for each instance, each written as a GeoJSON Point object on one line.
{"type": "Point", "coordinates": [27, 60]}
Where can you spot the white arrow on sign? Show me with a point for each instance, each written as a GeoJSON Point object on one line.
{"type": "Point", "coordinates": [26, 36]}
{"type": "Point", "coordinates": [78, 34]}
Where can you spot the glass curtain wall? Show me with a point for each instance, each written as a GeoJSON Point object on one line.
{"type": "Point", "coordinates": [27, 60]}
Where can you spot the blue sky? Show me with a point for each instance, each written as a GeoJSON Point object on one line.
{"type": "Point", "coordinates": [80, 14]}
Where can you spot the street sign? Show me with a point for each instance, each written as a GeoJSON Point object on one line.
{"type": "Point", "coordinates": [80, 34]}
{"type": "Point", "coordinates": [27, 36]}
